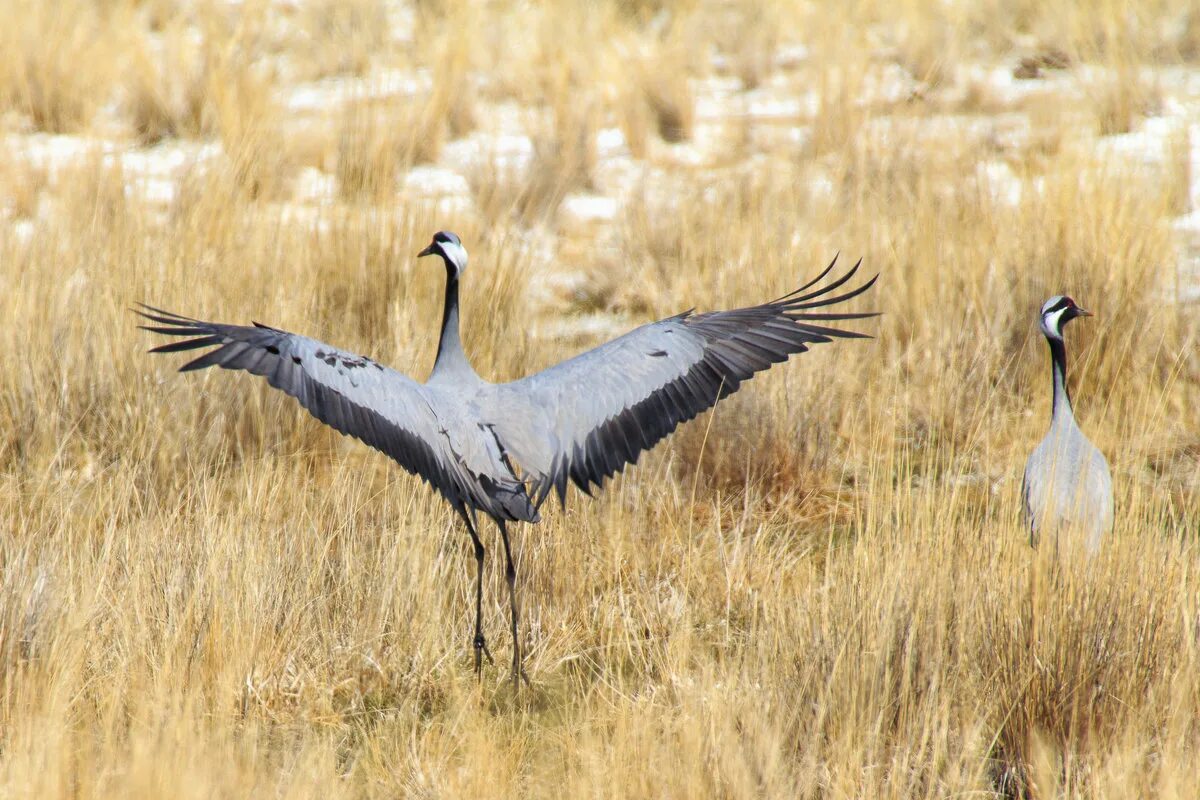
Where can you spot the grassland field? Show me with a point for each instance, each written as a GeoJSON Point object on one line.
{"type": "Point", "coordinates": [821, 589]}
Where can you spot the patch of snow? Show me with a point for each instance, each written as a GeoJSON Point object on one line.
{"type": "Point", "coordinates": [441, 191]}
{"type": "Point", "coordinates": [324, 94]}
{"type": "Point", "coordinates": [1188, 223]}
{"type": "Point", "coordinates": [610, 142]}
{"type": "Point", "coordinates": [1006, 131]}
{"type": "Point", "coordinates": [1184, 80]}
{"type": "Point", "coordinates": [686, 154]}
{"type": "Point", "coordinates": [150, 174]}
{"type": "Point", "coordinates": [587, 209]}
{"type": "Point", "coordinates": [1148, 146]}
{"type": "Point", "coordinates": [168, 158]}
{"type": "Point", "coordinates": [760, 105]}
{"type": "Point", "coordinates": [508, 154]}
{"type": "Point", "coordinates": [1193, 135]}
{"type": "Point", "coordinates": [798, 135]}
{"type": "Point", "coordinates": [618, 176]}
{"type": "Point", "coordinates": [54, 151]}
{"type": "Point", "coordinates": [821, 187]}
{"type": "Point", "coordinates": [510, 117]}
{"type": "Point", "coordinates": [998, 179]}
{"type": "Point", "coordinates": [1008, 90]}
{"type": "Point", "coordinates": [891, 84]}
{"type": "Point", "coordinates": [430, 180]}
{"type": "Point", "coordinates": [22, 230]}
{"type": "Point", "coordinates": [158, 191]}
{"type": "Point", "coordinates": [314, 186]}
{"type": "Point", "coordinates": [714, 96]}
{"type": "Point", "coordinates": [790, 56]}
{"type": "Point", "coordinates": [402, 21]}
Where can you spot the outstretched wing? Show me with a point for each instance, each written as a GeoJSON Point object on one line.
{"type": "Point", "coordinates": [352, 394]}
{"type": "Point", "coordinates": [588, 417]}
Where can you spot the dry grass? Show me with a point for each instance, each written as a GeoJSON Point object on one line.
{"type": "Point", "coordinates": [820, 590]}
{"type": "Point", "coordinates": [344, 37]}
{"type": "Point", "coordinates": [663, 79]}
{"type": "Point", "coordinates": [42, 46]}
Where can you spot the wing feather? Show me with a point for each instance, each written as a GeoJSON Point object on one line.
{"type": "Point", "coordinates": [353, 395]}
{"type": "Point", "coordinates": [583, 420]}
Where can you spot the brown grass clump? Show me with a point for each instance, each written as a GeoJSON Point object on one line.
{"type": "Point", "coordinates": [666, 93]}
{"type": "Point", "coordinates": [371, 149]}
{"type": "Point", "coordinates": [21, 188]}
{"type": "Point", "coordinates": [380, 139]}
{"type": "Point", "coordinates": [821, 589]}
{"type": "Point", "coordinates": [42, 46]}
{"type": "Point", "coordinates": [749, 37]}
{"type": "Point", "coordinates": [562, 161]}
{"type": "Point", "coordinates": [839, 116]}
{"type": "Point", "coordinates": [343, 37]}
{"type": "Point", "coordinates": [1122, 100]}
{"type": "Point", "coordinates": [168, 90]}
{"type": "Point", "coordinates": [655, 93]}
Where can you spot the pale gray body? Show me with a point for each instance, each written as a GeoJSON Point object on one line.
{"type": "Point", "coordinates": [1067, 488]}
{"type": "Point", "coordinates": [502, 448]}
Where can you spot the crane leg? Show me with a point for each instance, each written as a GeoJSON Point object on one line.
{"type": "Point", "coordinates": [481, 648]}
{"type": "Point", "coordinates": [510, 575]}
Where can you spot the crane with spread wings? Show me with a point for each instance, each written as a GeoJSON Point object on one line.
{"type": "Point", "coordinates": [501, 449]}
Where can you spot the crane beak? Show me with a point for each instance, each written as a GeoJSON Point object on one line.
{"type": "Point", "coordinates": [428, 251]}
{"type": "Point", "coordinates": [1083, 312]}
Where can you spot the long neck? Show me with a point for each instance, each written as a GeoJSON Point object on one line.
{"type": "Point", "coordinates": [451, 360]}
{"type": "Point", "coordinates": [1058, 367]}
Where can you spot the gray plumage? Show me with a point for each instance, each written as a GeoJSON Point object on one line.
{"type": "Point", "coordinates": [1067, 488]}
{"type": "Point", "coordinates": [502, 448]}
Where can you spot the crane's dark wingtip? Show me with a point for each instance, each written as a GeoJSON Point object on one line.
{"type": "Point", "coordinates": [820, 277]}
{"type": "Point", "coordinates": [155, 311]}
{"type": "Point", "coordinates": [186, 344]}
{"type": "Point", "coordinates": [166, 317]}
{"type": "Point", "coordinates": [169, 330]}
{"type": "Point", "coordinates": [855, 335]}
{"type": "Point", "coordinates": [797, 299]}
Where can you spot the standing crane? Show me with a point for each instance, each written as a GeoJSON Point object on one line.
{"type": "Point", "coordinates": [500, 449]}
{"type": "Point", "coordinates": [1067, 488]}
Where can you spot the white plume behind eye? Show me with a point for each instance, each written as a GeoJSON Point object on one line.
{"type": "Point", "coordinates": [456, 253]}
{"type": "Point", "coordinates": [1052, 321]}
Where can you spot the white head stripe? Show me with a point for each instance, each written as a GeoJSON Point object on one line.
{"type": "Point", "coordinates": [456, 253]}
{"type": "Point", "coordinates": [1051, 322]}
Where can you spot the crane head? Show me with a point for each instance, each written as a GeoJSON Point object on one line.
{"type": "Point", "coordinates": [1058, 311]}
{"type": "Point", "coordinates": [450, 248]}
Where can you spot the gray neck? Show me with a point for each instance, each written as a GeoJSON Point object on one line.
{"type": "Point", "coordinates": [451, 361]}
{"type": "Point", "coordinates": [1058, 366]}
